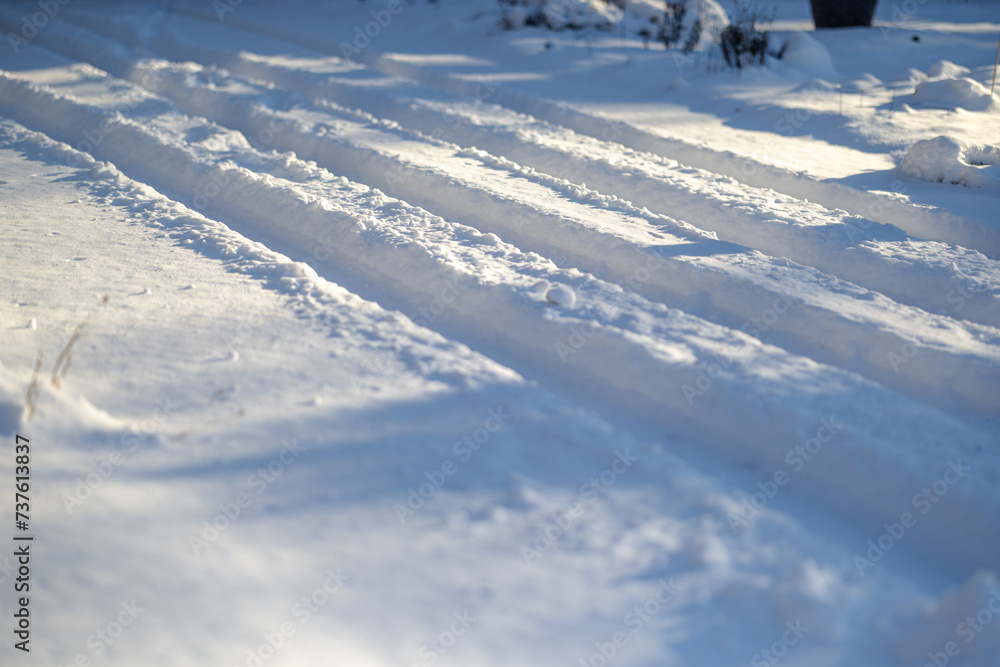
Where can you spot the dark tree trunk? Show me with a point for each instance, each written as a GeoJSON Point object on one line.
{"type": "Point", "coordinates": [842, 13]}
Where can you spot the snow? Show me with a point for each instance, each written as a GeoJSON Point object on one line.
{"type": "Point", "coordinates": [945, 160]}
{"type": "Point", "coordinates": [954, 93]}
{"type": "Point", "coordinates": [561, 296]}
{"type": "Point", "coordinates": [697, 22]}
{"type": "Point", "coordinates": [379, 334]}
{"type": "Point", "coordinates": [808, 56]}
{"type": "Point", "coordinates": [567, 14]}
{"type": "Point", "coordinates": [945, 69]}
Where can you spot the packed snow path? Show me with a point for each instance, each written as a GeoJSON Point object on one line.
{"type": "Point", "coordinates": [739, 320]}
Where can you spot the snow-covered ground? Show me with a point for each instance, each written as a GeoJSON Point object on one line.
{"type": "Point", "coordinates": [373, 334]}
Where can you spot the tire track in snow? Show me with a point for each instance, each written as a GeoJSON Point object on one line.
{"type": "Point", "coordinates": [920, 359]}
{"type": "Point", "coordinates": [923, 222]}
{"type": "Point", "coordinates": [378, 332]}
{"type": "Point", "coordinates": [618, 348]}
{"type": "Point", "coordinates": [879, 257]}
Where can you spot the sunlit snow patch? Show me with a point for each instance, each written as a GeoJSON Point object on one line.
{"type": "Point", "coordinates": [954, 93]}
{"type": "Point", "coordinates": [945, 69]}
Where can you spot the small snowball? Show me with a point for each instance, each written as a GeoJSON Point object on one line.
{"type": "Point", "coordinates": [561, 295]}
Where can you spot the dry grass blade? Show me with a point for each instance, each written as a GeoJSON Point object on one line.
{"type": "Point", "coordinates": [65, 357]}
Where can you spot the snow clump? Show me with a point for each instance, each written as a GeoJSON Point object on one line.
{"type": "Point", "coordinates": [955, 93]}
{"type": "Point", "coordinates": [561, 295]}
{"type": "Point", "coordinates": [808, 56]}
{"type": "Point", "coordinates": [946, 160]}
{"type": "Point", "coordinates": [571, 14]}
{"type": "Point", "coordinates": [945, 69]}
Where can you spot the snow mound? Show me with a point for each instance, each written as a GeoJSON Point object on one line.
{"type": "Point", "coordinates": [692, 24]}
{"type": "Point", "coordinates": [702, 21]}
{"type": "Point", "coordinates": [861, 83]}
{"type": "Point", "coordinates": [561, 15]}
{"type": "Point", "coordinates": [679, 83]}
{"type": "Point", "coordinates": [25, 402]}
{"type": "Point", "coordinates": [808, 56]}
{"type": "Point", "coordinates": [945, 69]}
{"type": "Point", "coordinates": [646, 11]}
{"type": "Point", "coordinates": [955, 93]}
{"type": "Point", "coordinates": [946, 160]}
{"type": "Point", "coordinates": [910, 77]}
